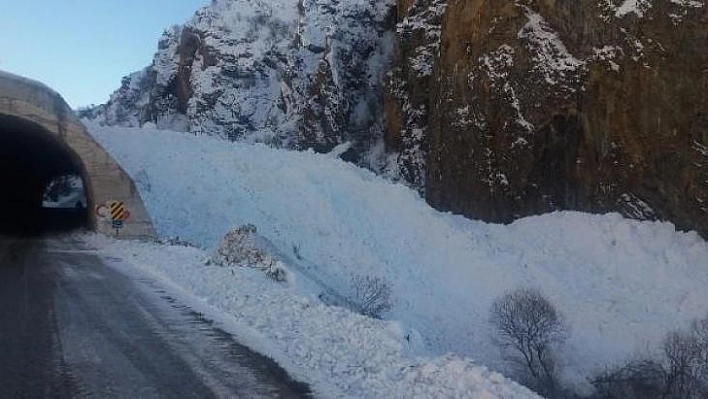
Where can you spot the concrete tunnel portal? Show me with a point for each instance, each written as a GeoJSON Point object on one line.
{"type": "Point", "coordinates": [30, 159]}
{"type": "Point", "coordinates": [41, 141]}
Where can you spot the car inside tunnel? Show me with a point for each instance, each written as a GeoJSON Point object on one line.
{"type": "Point", "coordinates": [34, 163]}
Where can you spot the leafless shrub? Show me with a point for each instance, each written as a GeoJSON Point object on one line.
{"type": "Point", "coordinates": [176, 241]}
{"type": "Point", "coordinates": [686, 356]}
{"type": "Point", "coordinates": [681, 374]}
{"type": "Point", "coordinates": [372, 295]}
{"type": "Point", "coordinates": [529, 327]}
{"type": "Point", "coordinates": [638, 379]}
{"type": "Point", "coordinates": [296, 251]}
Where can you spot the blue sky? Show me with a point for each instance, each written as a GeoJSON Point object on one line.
{"type": "Point", "coordinates": [82, 48]}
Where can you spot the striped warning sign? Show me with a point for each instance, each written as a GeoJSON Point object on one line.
{"type": "Point", "coordinates": [118, 211]}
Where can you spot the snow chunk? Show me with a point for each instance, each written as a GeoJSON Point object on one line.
{"type": "Point", "coordinates": [638, 7]}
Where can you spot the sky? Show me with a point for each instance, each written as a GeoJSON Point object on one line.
{"type": "Point", "coordinates": [82, 48]}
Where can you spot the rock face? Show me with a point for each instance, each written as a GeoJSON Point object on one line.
{"type": "Point", "coordinates": [501, 109]}
{"type": "Point", "coordinates": [293, 73]}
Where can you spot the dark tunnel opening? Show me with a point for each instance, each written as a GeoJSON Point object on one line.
{"type": "Point", "coordinates": [32, 160]}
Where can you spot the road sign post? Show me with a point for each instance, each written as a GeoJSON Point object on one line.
{"type": "Point", "coordinates": [117, 225]}
{"type": "Point", "coordinates": [113, 212]}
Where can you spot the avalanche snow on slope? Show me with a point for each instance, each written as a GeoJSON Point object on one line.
{"type": "Point", "coordinates": [621, 284]}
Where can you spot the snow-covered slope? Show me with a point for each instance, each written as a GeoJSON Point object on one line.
{"type": "Point", "coordinates": [622, 284]}
{"type": "Point", "coordinates": [300, 74]}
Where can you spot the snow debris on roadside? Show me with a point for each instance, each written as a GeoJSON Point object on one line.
{"type": "Point", "coordinates": [340, 353]}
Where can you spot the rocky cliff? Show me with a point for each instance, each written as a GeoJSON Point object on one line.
{"type": "Point", "coordinates": [501, 109]}
{"type": "Point", "coordinates": [293, 73]}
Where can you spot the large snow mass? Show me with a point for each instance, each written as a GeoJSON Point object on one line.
{"type": "Point", "coordinates": [621, 284]}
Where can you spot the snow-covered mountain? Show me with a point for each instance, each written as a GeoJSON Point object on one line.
{"type": "Point", "coordinates": [493, 109]}
{"type": "Point", "coordinates": [298, 74]}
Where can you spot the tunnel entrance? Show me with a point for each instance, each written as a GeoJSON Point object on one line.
{"type": "Point", "coordinates": [37, 172]}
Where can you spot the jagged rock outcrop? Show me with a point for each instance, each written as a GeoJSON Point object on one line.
{"type": "Point", "coordinates": [293, 73]}
{"type": "Point", "coordinates": [501, 109]}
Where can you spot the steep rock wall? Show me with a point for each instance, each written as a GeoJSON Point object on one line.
{"type": "Point", "coordinates": [525, 107]}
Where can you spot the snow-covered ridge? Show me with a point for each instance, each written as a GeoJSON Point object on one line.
{"type": "Point", "coordinates": [622, 284]}
{"type": "Point", "coordinates": [295, 74]}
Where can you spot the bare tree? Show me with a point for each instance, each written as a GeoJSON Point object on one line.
{"type": "Point", "coordinates": [372, 295]}
{"type": "Point", "coordinates": [529, 327]}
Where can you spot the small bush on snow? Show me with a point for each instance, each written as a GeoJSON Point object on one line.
{"type": "Point", "coordinates": [296, 251]}
{"type": "Point", "coordinates": [372, 295]}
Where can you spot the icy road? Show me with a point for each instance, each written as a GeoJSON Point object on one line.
{"type": "Point", "coordinates": [72, 326]}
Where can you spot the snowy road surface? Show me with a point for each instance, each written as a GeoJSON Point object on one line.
{"type": "Point", "coordinates": [72, 326]}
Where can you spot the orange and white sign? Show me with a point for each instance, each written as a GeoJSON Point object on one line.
{"type": "Point", "coordinates": [112, 211]}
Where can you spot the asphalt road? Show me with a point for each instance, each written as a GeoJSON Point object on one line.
{"type": "Point", "coordinates": [71, 326]}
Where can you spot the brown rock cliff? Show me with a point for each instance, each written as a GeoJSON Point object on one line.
{"type": "Point", "coordinates": [528, 107]}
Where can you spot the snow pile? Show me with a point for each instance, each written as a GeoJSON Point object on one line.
{"type": "Point", "coordinates": [621, 284]}
{"type": "Point", "coordinates": [244, 247]}
{"type": "Point", "coordinates": [339, 353]}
